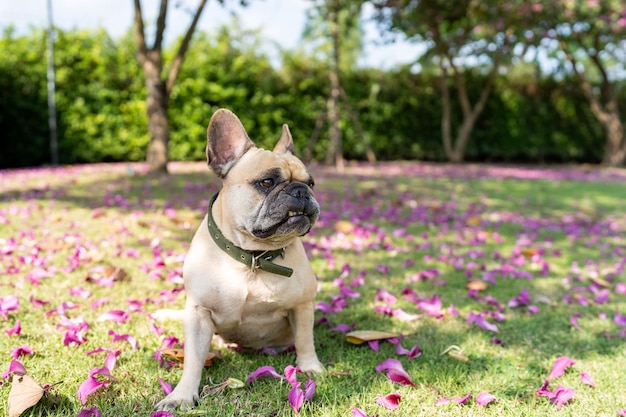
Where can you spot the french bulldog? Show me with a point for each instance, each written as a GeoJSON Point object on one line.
{"type": "Point", "coordinates": [247, 276]}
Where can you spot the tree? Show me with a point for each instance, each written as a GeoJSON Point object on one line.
{"type": "Point", "coordinates": [591, 36]}
{"type": "Point", "coordinates": [339, 22]}
{"type": "Point", "coordinates": [159, 86]}
{"type": "Point", "coordinates": [461, 36]}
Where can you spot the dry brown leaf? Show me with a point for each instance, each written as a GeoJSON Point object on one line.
{"type": "Point", "coordinates": [107, 271]}
{"type": "Point", "coordinates": [358, 337]}
{"type": "Point", "coordinates": [25, 392]}
{"type": "Point", "coordinates": [473, 221]}
{"type": "Point", "coordinates": [344, 226]}
{"type": "Point", "coordinates": [455, 352]}
{"type": "Point", "coordinates": [178, 355]}
{"type": "Point", "coordinates": [476, 285]}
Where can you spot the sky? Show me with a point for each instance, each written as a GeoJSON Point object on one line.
{"type": "Point", "coordinates": [280, 21]}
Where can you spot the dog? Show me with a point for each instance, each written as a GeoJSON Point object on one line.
{"type": "Point", "coordinates": [247, 277]}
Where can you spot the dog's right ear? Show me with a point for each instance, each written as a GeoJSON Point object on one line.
{"type": "Point", "coordinates": [227, 141]}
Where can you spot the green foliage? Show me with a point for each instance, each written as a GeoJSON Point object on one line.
{"type": "Point", "coordinates": [101, 104]}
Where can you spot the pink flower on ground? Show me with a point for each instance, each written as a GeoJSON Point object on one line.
{"type": "Point", "coordinates": [130, 339]}
{"type": "Point", "coordinates": [395, 371]}
{"type": "Point", "coordinates": [90, 412]}
{"type": "Point", "coordinates": [485, 398]}
{"type": "Point", "coordinates": [14, 367]}
{"type": "Point", "coordinates": [390, 401]}
{"type": "Point", "coordinates": [263, 371]}
{"type": "Point", "coordinates": [560, 365]}
{"type": "Point", "coordinates": [21, 351]}
{"type": "Point", "coordinates": [15, 330]}
{"type": "Point", "coordinates": [118, 316]}
{"type": "Point", "coordinates": [357, 412]}
{"type": "Point", "coordinates": [92, 383]}
{"type": "Point", "coordinates": [8, 303]}
{"type": "Point", "coordinates": [167, 388]}
{"type": "Point", "coordinates": [587, 379]}
{"type": "Point", "coordinates": [480, 321]}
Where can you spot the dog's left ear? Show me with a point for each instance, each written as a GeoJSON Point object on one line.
{"type": "Point", "coordinates": [227, 141]}
{"type": "Point", "coordinates": [285, 143]}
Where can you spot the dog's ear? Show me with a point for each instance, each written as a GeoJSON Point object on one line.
{"type": "Point", "coordinates": [227, 141]}
{"type": "Point", "coordinates": [285, 143]}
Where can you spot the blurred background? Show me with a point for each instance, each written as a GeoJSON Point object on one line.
{"type": "Point", "coordinates": [437, 80]}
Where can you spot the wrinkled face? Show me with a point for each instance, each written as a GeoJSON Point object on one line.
{"type": "Point", "coordinates": [271, 196]}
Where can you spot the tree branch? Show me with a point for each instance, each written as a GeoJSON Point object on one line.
{"type": "Point", "coordinates": [160, 29]}
{"type": "Point", "coordinates": [182, 50]}
{"type": "Point", "coordinates": [140, 37]}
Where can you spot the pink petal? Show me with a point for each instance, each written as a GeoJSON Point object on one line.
{"type": "Point", "coordinates": [390, 401]}
{"type": "Point", "coordinates": [463, 399]}
{"type": "Point", "coordinates": [21, 351]}
{"type": "Point", "coordinates": [309, 390]}
{"type": "Point", "coordinates": [481, 322]}
{"type": "Point", "coordinates": [395, 371]}
{"type": "Point", "coordinates": [400, 376]}
{"type": "Point", "coordinates": [118, 316]}
{"type": "Point", "coordinates": [373, 344]}
{"type": "Point", "coordinates": [357, 412]}
{"type": "Point", "coordinates": [587, 379]}
{"type": "Point", "coordinates": [574, 320]}
{"type": "Point", "coordinates": [387, 364]}
{"type": "Point", "coordinates": [88, 387]}
{"type": "Point", "coordinates": [130, 339]}
{"type": "Point", "coordinates": [291, 373]}
{"type": "Point", "coordinates": [263, 371]}
{"type": "Point", "coordinates": [296, 398]}
{"type": "Point", "coordinates": [485, 398]}
{"type": "Point", "coordinates": [621, 412]}
{"type": "Point", "coordinates": [561, 396]}
{"type": "Point", "coordinates": [90, 412]}
{"type": "Point", "coordinates": [14, 367]}
{"type": "Point", "coordinates": [167, 388]}
{"type": "Point", "coordinates": [442, 401]}
{"type": "Point", "coordinates": [162, 414]}
{"type": "Point", "coordinates": [559, 367]}
{"type": "Point", "coordinates": [15, 330]}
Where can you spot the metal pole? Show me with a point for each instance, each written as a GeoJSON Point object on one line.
{"type": "Point", "coordinates": [52, 112]}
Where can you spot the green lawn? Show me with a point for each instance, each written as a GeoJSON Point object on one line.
{"type": "Point", "coordinates": [417, 229]}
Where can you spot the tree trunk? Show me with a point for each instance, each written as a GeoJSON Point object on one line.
{"type": "Point", "coordinates": [159, 89]}
{"type": "Point", "coordinates": [335, 152]}
{"type": "Point", "coordinates": [615, 148]}
{"type": "Point", "coordinates": [158, 126]}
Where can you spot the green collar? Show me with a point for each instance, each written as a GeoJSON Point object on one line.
{"type": "Point", "coordinates": [254, 259]}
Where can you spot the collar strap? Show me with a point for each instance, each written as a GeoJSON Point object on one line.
{"type": "Point", "coordinates": [254, 259]}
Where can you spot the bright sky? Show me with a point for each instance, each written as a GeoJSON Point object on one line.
{"type": "Point", "coordinates": [281, 21]}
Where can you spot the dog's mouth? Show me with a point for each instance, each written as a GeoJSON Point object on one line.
{"type": "Point", "coordinates": [295, 222]}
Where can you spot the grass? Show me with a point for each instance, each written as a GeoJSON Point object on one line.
{"type": "Point", "coordinates": [57, 225]}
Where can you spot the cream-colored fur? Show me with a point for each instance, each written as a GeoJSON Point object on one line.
{"type": "Point", "coordinates": [252, 308]}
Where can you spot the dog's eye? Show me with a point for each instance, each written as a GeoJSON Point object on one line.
{"type": "Point", "coordinates": [267, 183]}
{"type": "Point", "coordinates": [311, 183]}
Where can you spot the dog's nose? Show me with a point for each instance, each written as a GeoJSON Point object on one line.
{"type": "Point", "coordinates": [297, 190]}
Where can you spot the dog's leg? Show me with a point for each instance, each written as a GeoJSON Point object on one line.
{"type": "Point", "coordinates": [302, 320]}
{"type": "Point", "coordinates": [198, 329]}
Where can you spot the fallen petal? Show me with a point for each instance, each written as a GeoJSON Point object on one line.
{"type": "Point", "coordinates": [90, 412]}
{"type": "Point", "coordinates": [485, 398]}
{"type": "Point", "coordinates": [587, 379]}
{"type": "Point", "coordinates": [560, 365]}
{"type": "Point", "coordinates": [296, 398]}
{"type": "Point", "coordinates": [561, 396]}
{"type": "Point", "coordinates": [390, 401]}
{"type": "Point", "coordinates": [263, 371]}
{"type": "Point", "coordinates": [357, 412]}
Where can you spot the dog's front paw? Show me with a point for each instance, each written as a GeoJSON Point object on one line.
{"type": "Point", "coordinates": [311, 366]}
{"type": "Point", "coordinates": [175, 400]}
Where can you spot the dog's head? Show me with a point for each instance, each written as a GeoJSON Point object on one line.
{"type": "Point", "coordinates": [266, 196]}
